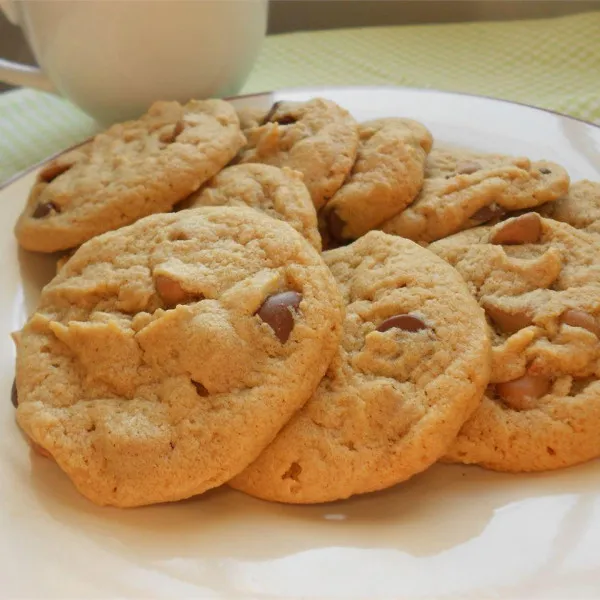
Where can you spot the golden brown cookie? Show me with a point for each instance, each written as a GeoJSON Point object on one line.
{"type": "Point", "coordinates": [317, 138]}
{"type": "Point", "coordinates": [464, 189]}
{"type": "Point", "coordinates": [412, 366]}
{"type": "Point", "coordinates": [385, 179]}
{"type": "Point", "coordinates": [280, 193]}
{"type": "Point", "coordinates": [579, 208]}
{"type": "Point", "coordinates": [539, 283]}
{"type": "Point", "coordinates": [166, 355]}
{"type": "Point", "coordinates": [131, 170]}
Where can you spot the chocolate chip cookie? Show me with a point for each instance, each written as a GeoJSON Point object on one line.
{"type": "Point", "coordinates": [411, 367]}
{"type": "Point", "coordinates": [280, 193]}
{"type": "Point", "coordinates": [132, 170]}
{"type": "Point", "coordinates": [465, 189]}
{"type": "Point", "coordinates": [579, 208]}
{"type": "Point", "coordinates": [385, 179]}
{"type": "Point", "coordinates": [317, 138]}
{"type": "Point", "coordinates": [539, 283]}
{"type": "Point", "coordinates": [166, 355]}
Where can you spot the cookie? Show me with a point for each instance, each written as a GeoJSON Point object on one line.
{"type": "Point", "coordinates": [411, 367]}
{"type": "Point", "coordinates": [280, 193]}
{"type": "Point", "coordinates": [465, 189]}
{"type": "Point", "coordinates": [166, 355]}
{"type": "Point", "coordinates": [317, 138]}
{"type": "Point", "coordinates": [387, 176]}
{"type": "Point", "coordinates": [539, 283]}
{"type": "Point", "coordinates": [131, 170]}
{"type": "Point", "coordinates": [579, 208]}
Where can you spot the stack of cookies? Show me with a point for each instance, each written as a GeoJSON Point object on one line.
{"type": "Point", "coordinates": [304, 307]}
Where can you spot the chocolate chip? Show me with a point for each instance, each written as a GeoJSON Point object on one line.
{"type": "Point", "coordinates": [53, 170]}
{"type": "Point", "coordinates": [545, 171]}
{"type": "Point", "coordinates": [335, 226]}
{"type": "Point", "coordinates": [580, 318]}
{"type": "Point", "coordinates": [271, 112]}
{"type": "Point", "coordinates": [172, 293]}
{"type": "Point", "coordinates": [405, 322]}
{"type": "Point", "coordinates": [488, 213]}
{"type": "Point", "coordinates": [14, 397]}
{"type": "Point", "coordinates": [508, 322]}
{"type": "Point", "coordinates": [521, 394]}
{"type": "Point", "coordinates": [526, 229]}
{"type": "Point", "coordinates": [202, 391]}
{"type": "Point", "coordinates": [276, 311]}
{"type": "Point", "coordinates": [467, 167]}
{"type": "Point", "coordinates": [285, 120]}
{"type": "Point", "coordinates": [44, 209]}
{"type": "Point", "coordinates": [168, 137]}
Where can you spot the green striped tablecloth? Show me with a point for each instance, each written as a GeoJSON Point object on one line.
{"type": "Point", "coordinates": [552, 63]}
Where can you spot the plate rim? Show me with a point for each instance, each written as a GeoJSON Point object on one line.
{"type": "Point", "coordinates": [294, 90]}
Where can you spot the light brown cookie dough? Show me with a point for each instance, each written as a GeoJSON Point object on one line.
{"type": "Point", "coordinates": [280, 193]}
{"type": "Point", "coordinates": [412, 366]}
{"type": "Point", "coordinates": [131, 170]}
{"type": "Point", "coordinates": [464, 189]}
{"type": "Point", "coordinates": [317, 138]}
{"type": "Point", "coordinates": [385, 179]}
{"type": "Point", "coordinates": [539, 283]}
{"type": "Point", "coordinates": [166, 355]}
{"type": "Point", "coordinates": [579, 208]}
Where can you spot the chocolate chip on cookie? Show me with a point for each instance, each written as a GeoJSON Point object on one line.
{"type": "Point", "coordinates": [172, 293]}
{"type": "Point", "coordinates": [14, 397]}
{"type": "Point", "coordinates": [278, 310]}
{"type": "Point", "coordinates": [44, 209]}
{"type": "Point", "coordinates": [507, 322]}
{"type": "Point", "coordinates": [523, 393]}
{"type": "Point", "coordinates": [580, 318]}
{"type": "Point", "coordinates": [405, 322]}
{"type": "Point", "coordinates": [525, 229]}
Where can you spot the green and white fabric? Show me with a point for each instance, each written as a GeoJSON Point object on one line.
{"type": "Point", "coordinates": [552, 63]}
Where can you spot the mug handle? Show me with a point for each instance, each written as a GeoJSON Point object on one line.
{"type": "Point", "coordinates": [15, 73]}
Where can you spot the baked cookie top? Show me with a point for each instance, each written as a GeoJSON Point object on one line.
{"type": "Point", "coordinates": [385, 179]}
{"type": "Point", "coordinates": [166, 355]}
{"type": "Point", "coordinates": [280, 193]}
{"type": "Point", "coordinates": [130, 171]}
{"type": "Point", "coordinates": [412, 365]}
{"type": "Point", "coordinates": [464, 189]}
{"type": "Point", "coordinates": [317, 138]}
{"type": "Point", "coordinates": [579, 208]}
{"type": "Point", "coordinates": [539, 283]}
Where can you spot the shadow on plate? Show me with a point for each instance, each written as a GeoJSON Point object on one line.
{"type": "Point", "coordinates": [430, 514]}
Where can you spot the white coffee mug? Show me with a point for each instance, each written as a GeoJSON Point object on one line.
{"type": "Point", "coordinates": [113, 58]}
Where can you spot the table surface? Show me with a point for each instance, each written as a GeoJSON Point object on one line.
{"type": "Point", "coordinates": [551, 63]}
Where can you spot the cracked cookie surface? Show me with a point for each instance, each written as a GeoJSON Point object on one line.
{"type": "Point", "coordinates": [411, 367]}
{"type": "Point", "coordinates": [280, 193]}
{"type": "Point", "coordinates": [385, 179]}
{"type": "Point", "coordinates": [165, 356]}
{"type": "Point", "coordinates": [539, 283]}
{"type": "Point", "coordinates": [464, 189]}
{"type": "Point", "coordinates": [131, 170]}
{"type": "Point", "coordinates": [317, 138]}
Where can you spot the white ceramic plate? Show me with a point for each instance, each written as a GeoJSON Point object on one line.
{"type": "Point", "coordinates": [452, 532]}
